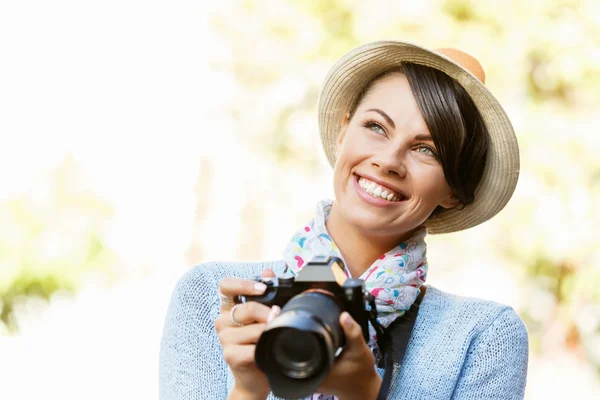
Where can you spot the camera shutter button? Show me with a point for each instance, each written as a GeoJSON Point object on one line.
{"type": "Point", "coordinates": [353, 283]}
{"type": "Point", "coordinates": [286, 279]}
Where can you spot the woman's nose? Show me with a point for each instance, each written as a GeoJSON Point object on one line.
{"type": "Point", "coordinates": [391, 163]}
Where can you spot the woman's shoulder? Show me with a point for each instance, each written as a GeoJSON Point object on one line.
{"type": "Point", "coordinates": [210, 273]}
{"type": "Point", "coordinates": [196, 290]}
{"type": "Point", "coordinates": [439, 304]}
{"type": "Point", "coordinates": [467, 317]}
{"type": "Point", "coordinates": [474, 348]}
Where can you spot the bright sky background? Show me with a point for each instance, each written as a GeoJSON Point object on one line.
{"type": "Point", "coordinates": [123, 86]}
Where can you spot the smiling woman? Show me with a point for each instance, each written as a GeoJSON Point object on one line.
{"type": "Point", "coordinates": [451, 118]}
{"type": "Point", "coordinates": [418, 145]}
{"type": "Point", "coordinates": [395, 150]}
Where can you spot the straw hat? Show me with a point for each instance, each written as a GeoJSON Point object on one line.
{"type": "Point", "coordinates": [358, 67]}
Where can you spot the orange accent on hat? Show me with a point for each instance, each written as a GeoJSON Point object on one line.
{"type": "Point", "coordinates": [467, 61]}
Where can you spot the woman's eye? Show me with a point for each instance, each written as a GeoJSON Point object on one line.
{"type": "Point", "coordinates": [375, 127]}
{"type": "Point", "coordinates": [426, 150]}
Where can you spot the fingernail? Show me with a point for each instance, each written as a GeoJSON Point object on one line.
{"type": "Point", "coordinates": [346, 319]}
{"type": "Point", "coordinates": [275, 310]}
{"type": "Point", "coordinates": [260, 287]}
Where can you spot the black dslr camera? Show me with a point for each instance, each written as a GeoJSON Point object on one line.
{"type": "Point", "coordinates": [298, 348]}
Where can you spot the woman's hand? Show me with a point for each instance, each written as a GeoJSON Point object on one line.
{"type": "Point", "coordinates": [353, 375]}
{"type": "Point", "coordinates": [239, 343]}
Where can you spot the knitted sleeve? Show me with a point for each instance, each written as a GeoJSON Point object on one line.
{"type": "Point", "coordinates": [191, 365]}
{"type": "Point", "coordinates": [496, 362]}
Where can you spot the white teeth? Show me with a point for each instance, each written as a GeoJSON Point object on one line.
{"type": "Point", "coordinates": [376, 190]}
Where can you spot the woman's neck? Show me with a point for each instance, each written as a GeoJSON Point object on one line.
{"type": "Point", "coordinates": [359, 250]}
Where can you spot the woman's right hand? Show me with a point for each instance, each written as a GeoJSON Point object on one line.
{"type": "Point", "coordinates": [239, 343]}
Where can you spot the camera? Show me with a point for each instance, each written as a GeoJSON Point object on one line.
{"type": "Point", "coordinates": [297, 349]}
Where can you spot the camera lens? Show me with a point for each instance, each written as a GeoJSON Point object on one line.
{"type": "Point", "coordinates": [297, 353]}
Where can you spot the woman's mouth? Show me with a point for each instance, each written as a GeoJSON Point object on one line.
{"type": "Point", "coordinates": [378, 191]}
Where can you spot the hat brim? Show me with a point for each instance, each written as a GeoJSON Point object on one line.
{"type": "Point", "coordinates": [358, 67]}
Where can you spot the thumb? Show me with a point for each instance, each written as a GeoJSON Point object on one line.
{"type": "Point", "coordinates": [268, 273]}
{"type": "Point", "coordinates": [352, 330]}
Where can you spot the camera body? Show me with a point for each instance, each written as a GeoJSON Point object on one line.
{"type": "Point", "coordinates": [322, 274]}
{"type": "Point", "coordinates": [298, 348]}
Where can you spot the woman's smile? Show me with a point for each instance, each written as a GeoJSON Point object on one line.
{"type": "Point", "coordinates": [375, 193]}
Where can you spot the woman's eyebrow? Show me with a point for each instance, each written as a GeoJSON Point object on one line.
{"type": "Point", "coordinates": [384, 115]}
{"type": "Point", "coordinates": [424, 137]}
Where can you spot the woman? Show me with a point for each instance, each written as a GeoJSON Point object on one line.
{"type": "Point", "coordinates": [418, 145]}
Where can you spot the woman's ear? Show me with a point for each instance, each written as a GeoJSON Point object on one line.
{"type": "Point", "coordinates": [450, 202]}
{"type": "Point", "coordinates": [342, 134]}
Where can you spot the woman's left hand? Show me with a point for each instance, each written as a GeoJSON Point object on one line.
{"type": "Point", "coordinates": [353, 375]}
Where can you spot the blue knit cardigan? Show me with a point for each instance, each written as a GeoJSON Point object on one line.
{"type": "Point", "coordinates": [460, 348]}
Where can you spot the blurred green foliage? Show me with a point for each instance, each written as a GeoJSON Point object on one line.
{"type": "Point", "coordinates": [542, 60]}
{"type": "Point", "coordinates": [50, 240]}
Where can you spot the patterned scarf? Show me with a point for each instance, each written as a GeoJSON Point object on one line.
{"type": "Point", "coordinates": [393, 279]}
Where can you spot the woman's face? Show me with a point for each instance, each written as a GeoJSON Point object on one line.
{"type": "Point", "coordinates": [386, 150]}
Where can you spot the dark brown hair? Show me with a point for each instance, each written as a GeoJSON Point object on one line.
{"type": "Point", "coordinates": [456, 127]}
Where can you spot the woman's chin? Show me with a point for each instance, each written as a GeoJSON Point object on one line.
{"type": "Point", "coordinates": [373, 225]}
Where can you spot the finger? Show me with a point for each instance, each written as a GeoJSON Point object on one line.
{"type": "Point", "coordinates": [239, 356]}
{"type": "Point", "coordinates": [250, 312]}
{"type": "Point", "coordinates": [235, 286]}
{"type": "Point", "coordinates": [243, 335]}
{"type": "Point", "coordinates": [275, 311]}
{"type": "Point", "coordinates": [232, 287]}
{"type": "Point", "coordinates": [352, 330]}
{"type": "Point", "coordinates": [268, 273]}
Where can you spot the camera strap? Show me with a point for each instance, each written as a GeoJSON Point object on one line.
{"type": "Point", "coordinates": [393, 340]}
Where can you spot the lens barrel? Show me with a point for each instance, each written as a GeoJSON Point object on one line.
{"type": "Point", "coordinates": [297, 350]}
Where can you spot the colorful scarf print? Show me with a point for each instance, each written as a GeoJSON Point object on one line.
{"type": "Point", "coordinates": [393, 279]}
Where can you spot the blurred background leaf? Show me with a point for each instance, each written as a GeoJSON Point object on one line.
{"type": "Point", "coordinates": [51, 240]}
